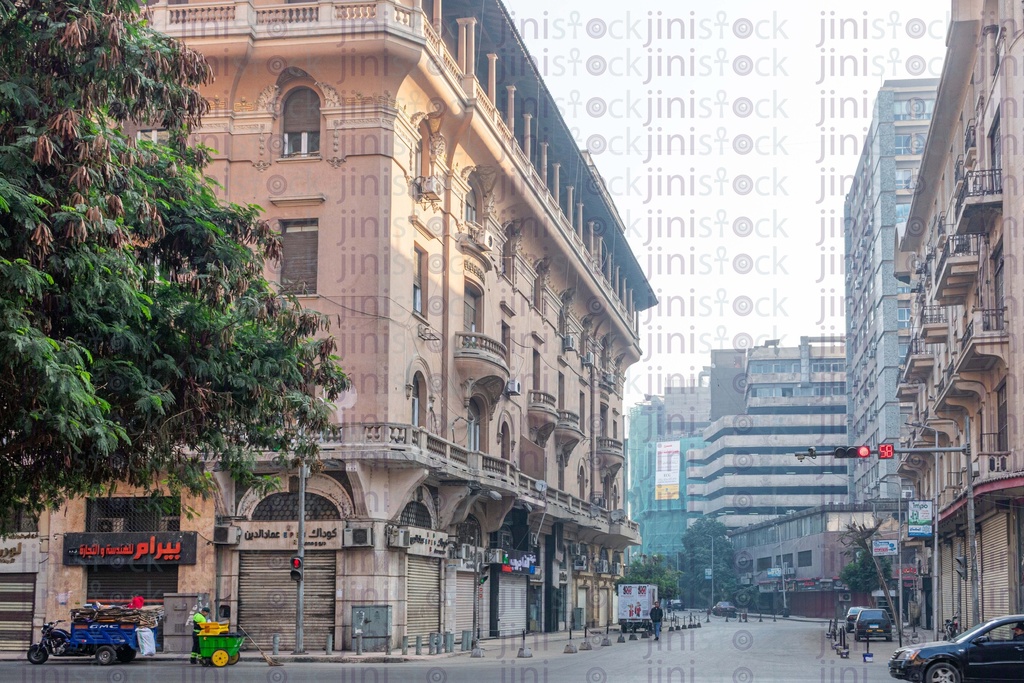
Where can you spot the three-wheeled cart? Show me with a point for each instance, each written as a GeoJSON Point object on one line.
{"type": "Point", "coordinates": [107, 642]}
{"type": "Point", "coordinates": [220, 650]}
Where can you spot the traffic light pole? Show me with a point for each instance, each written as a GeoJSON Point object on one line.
{"type": "Point", "coordinates": [300, 645]}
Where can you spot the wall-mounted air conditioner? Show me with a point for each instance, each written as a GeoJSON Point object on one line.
{"type": "Point", "coordinates": [431, 187]}
{"type": "Point", "coordinates": [568, 343]}
{"type": "Point", "coordinates": [514, 387]}
{"type": "Point", "coordinates": [579, 563]}
{"type": "Point", "coordinates": [226, 535]}
{"type": "Point", "coordinates": [601, 566]}
{"type": "Point", "coordinates": [494, 556]}
{"type": "Point", "coordinates": [616, 568]}
{"type": "Point", "coordinates": [358, 537]}
{"type": "Point", "coordinates": [467, 552]}
{"type": "Point", "coordinates": [587, 359]}
{"type": "Point", "coordinates": [563, 576]}
{"type": "Point", "coordinates": [400, 538]}
{"type": "Point", "coordinates": [608, 377]}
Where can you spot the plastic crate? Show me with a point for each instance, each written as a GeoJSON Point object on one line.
{"type": "Point", "coordinates": [212, 628]}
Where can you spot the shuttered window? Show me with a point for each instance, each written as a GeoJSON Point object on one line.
{"type": "Point", "coordinates": [299, 241]}
{"type": "Point", "coordinates": [423, 594]}
{"type": "Point", "coordinates": [17, 600]}
{"type": "Point", "coordinates": [301, 126]}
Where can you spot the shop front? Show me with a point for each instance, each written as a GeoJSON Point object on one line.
{"type": "Point", "coordinates": [510, 581]}
{"type": "Point", "coordinates": [19, 567]}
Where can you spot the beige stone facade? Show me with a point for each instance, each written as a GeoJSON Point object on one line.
{"type": "Point", "coordinates": [960, 253]}
{"type": "Point", "coordinates": [434, 203]}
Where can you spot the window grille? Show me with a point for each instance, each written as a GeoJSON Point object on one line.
{"type": "Point", "coordinates": [133, 515]}
{"type": "Point", "coordinates": [284, 507]}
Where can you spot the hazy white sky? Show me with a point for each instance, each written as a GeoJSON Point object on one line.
{"type": "Point", "coordinates": [723, 121]}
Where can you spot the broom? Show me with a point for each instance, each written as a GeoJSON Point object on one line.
{"type": "Point", "coordinates": [270, 660]}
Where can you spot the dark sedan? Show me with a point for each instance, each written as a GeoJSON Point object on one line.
{"type": "Point", "coordinates": [993, 651]}
{"type": "Point", "coordinates": [872, 623]}
{"type": "Point", "coordinates": [851, 617]}
{"type": "Point", "coordinates": [724, 609]}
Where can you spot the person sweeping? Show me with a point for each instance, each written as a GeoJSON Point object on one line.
{"type": "Point", "coordinates": [198, 619]}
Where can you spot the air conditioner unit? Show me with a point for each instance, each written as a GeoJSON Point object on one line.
{"type": "Point", "coordinates": [431, 187]}
{"type": "Point", "coordinates": [226, 535]}
{"type": "Point", "coordinates": [534, 540]}
{"type": "Point", "coordinates": [110, 525]}
{"type": "Point", "coordinates": [358, 537]}
{"type": "Point", "coordinates": [907, 494]}
{"type": "Point", "coordinates": [617, 516]}
{"type": "Point", "coordinates": [572, 549]}
{"type": "Point", "coordinates": [400, 538]}
{"type": "Point", "coordinates": [608, 377]}
{"type": "Point", "coordinates": [467, 552]}
{"type": "Point", "coordinates": [568, 343]}
{"type": "Point", "coordinates": [514, 387]}
{"type": "Point", "coordinates": [790, 571]}
{"type": "Point", "coordinates": [494, 556]}
{"type": "Point", "coordinates": [616, 568]}
{"type": "Point", "coordinates": [587, 359]}
{"type": "Point", "coordinates": [563, 576]}
{"type": "Point", "coordinates": [597, 500]}
{"type": "Point", "coordinates": [601, 566]}
{"type": "Point", "coordinates": [844, 597]}
{"type": "Point", "coordinates": [579, 563]}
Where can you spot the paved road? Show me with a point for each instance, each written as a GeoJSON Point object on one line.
{"type": "Point", "coordinates": [783, 652]}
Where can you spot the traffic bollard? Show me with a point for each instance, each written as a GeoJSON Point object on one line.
{"type": "Point", "coordinates": [524, 652]}
{"type": "Point", "coordinates": [451, 642]}
{"type": "Point", "coordinates": [276, 646]}
{"type": "Point", "coordinates": [330, 644]}
{"type": "Point", "coordinates": [419, 645]}
{"type": "Point", "coordinates": [405, 645]}
{"type": "Point", "coordinates": [359, 643]}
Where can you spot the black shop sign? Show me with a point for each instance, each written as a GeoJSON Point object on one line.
{"type": "Point", "coordinates": [130, 549]}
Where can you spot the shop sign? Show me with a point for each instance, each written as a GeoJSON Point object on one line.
{"type": "Point", "coordinates": [427, 542]}
{"type": "Point", "coordinates": [519, 562]}
{"type": "Point", "coordinates": [127, 549]}
{"type": "Point", "coordinates": [19, 553]}
{"type": "Point", "coordinates": [284, 535]}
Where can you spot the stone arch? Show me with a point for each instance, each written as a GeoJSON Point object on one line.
{"type": "Point", "coordinates": [423, 496]}
{"type": "Point", "coordinates": [318, 484]}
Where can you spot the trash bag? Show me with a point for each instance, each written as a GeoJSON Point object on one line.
{"type": "Point", "coordinates": [147, 643]}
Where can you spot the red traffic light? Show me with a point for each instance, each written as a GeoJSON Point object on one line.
{"type": "Point", "coordinates": [886, 451]}
{"type": "Point", "coordinates": [296, 563]}
{"type": "Point", "coordinates": [863, 452]}
{"type": "Point", "coordinates": [852, 452]}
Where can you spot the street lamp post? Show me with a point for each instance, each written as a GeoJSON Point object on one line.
{"type": "Point", "coordinates": [899, 558]}
{"type": "Point", "coordinates": [936, 601]}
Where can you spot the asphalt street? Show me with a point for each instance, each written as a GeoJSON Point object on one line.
{"type": "Point", "coordinates": [785, 651]}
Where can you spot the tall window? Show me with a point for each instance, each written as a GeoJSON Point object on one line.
{"type": "Point", "coordinates": [472, 309]}
{"type": "Point", "coordinates": [998, 281]}
{"type": "Point", "coordinates": [299, 241]}
{"type": "Point", "coordinates": [995, 145]}
{"type": "Point", "coordinates": [418, 279]}
{"type": "Point", "coordinates": [536, 370]}
{"type": "Point", "coordinates": [506, 341]}
{"type": "Point", "coordinates": [604, 420]}
{"type": "Point", "coordinates": [470, 213]}
{"type": "Point", "coordinates": [418, 401]}
{"type": "Point", "coordinates": [1002, 440]}
{"type": "Point", "coordinates": [904, 179]}
{"type": "Point", "coordinates": [301, 125]}
{"type": "Point", "coordinates": [583, 413]}
{"type": "Point", "coordinates": [581, 482]}
{"type": "Point", "coordinates": [473, 426]}
{"type": "Point", "coordinates": [561, 391]}
{"type": "Point", "coordinates": [506, 442]}
{"type": "Point", "coordinates": [508, 255]}
{"type": "Point", "coordinates": [903, 318]}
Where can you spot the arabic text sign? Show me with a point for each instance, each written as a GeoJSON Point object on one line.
{"type": "Point", "coordinates": [284, 535]}
{"type": "Point", "coordinates": [127, 549]}
{"type": "Point", "coordinates": [883, 548]}
{"type": "Point", "coordinates": [666, 471]}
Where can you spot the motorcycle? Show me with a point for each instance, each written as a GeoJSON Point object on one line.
{"type": "Point", "coordinates": [54, 642]}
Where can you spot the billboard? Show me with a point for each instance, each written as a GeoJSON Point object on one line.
{"type": "Point", "coordinates": [919, 519]}
{"type": "Point", "coordinates": [666, 471]}
{"type": "Point", "coordinates": [883, 548]}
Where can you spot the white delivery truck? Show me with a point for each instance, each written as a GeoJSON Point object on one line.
{"type": "Point", "coordinates": [635, 602]}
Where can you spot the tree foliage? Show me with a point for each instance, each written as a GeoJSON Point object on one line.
{"type": "Point", "coordinates": [139, 341]}
{"type": "Point", "coordinates": [697, 552]}
{"type": "Point", "coordinates": [655, 570]}
{"type": "Point", "coordinates": [863, 574]}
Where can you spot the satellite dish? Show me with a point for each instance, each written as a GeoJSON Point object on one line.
{"type": "Point", "coordinates": [541, 485]}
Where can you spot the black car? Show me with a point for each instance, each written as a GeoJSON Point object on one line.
{"type": "Point", "coordinates": [724, 609]}
{"type": "Point", "coordinates": [872, 623]}
{"type": "Point", "coordinates": [851, 617]}
{"type": "Point", "coordinates": [987, 652]}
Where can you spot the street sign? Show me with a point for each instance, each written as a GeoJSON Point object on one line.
{"type": "Point", "coordinates": [775, 572]}
{"type": "Point", "coordinates": [883, 548]}
{"type": "Point", "coordinates": [707, 573]}
{"type": "Point", "coordinates": [919, 518]}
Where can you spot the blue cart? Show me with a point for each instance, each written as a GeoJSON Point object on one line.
{"type": "Point", "coordinates": [107, 641]}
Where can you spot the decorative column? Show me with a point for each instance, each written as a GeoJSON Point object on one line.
{"type": "Point", "coordinates": [556, 182]}
{"type": "Point", "coordinates": [462, 43]}
{"type": "Point", "coordinates": [544, 163]}
{"type": "Point", "coordinates": [437, 16]}
{"type": "Point", "coordinates": [470, 69]}
{"type": "Point", "coordinates": [492, 78]}
{"type": "Point", "coordinates": [510, 112]}
{"type": "Point", "coordinates": [528, 136]}
{"type": "Point", "coordinates": [568, 214]}
{"type": "Point", "coordinates": [579, 218]}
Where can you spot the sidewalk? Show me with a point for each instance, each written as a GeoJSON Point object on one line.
{"type": "Point", "coordinates": [289, 658]}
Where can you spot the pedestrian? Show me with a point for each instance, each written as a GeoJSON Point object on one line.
{"type": "Point", "coordinates": [198, 619]}
{"type": "Point", "coordinates": [137, 602]}
{"type": "Point", "coordinates": [656, 617]}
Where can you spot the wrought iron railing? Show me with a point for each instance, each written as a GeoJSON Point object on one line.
{"type": "Point", "coordinates": [979, 184]}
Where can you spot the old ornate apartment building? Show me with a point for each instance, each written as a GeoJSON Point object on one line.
{"type": "Point", "coordinates": [433, 201]}
{"type": "Point", "coordinates": [960, 252]}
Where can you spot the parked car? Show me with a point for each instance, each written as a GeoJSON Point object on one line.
{"type": "Point", "coordinates": [872, 623]}
{"type": "Point", "coordinates": [987, 652]}
{"type": "Point", "coordinates": [851, 617]}
{"type": "Point", "coordinates": [724, 609]}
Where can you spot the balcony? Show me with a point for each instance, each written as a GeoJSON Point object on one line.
{"type": "Point", "coordinates": [480, 361]}
{"type": "Point", "coordinates": [567, 431]}
{"type": "Point", "coordinates": [907, 392]}
{"type": "Point", "coordinates": [996, 461]}
{"type": "Point", "coordinates": [920, 360]}
{"type": "Point", "coordinates": [542, 415]}
{"type": "Point", "coordinates": [934, 325]}
{"type": "Point", "coordinates": [957, 270]}
{"type": "Point", "coordinates": [979, 201]}
{"type": "Point", "coordinates": [609, 454]}
{"type": "Point", "coordinates": [985, 342]}
{"type": "Point", "coordinates": [971, 142]}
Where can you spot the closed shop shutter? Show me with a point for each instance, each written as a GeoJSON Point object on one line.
{"type": "Point", "coordinates": [423, 593]}
{"type": "Point", "coordinates": [606, 599]}
{"type": "Point", "coordinates": [512, 605]}
{"type": "Point", "coordinates": [483, 625]}
{"type": "Point", "coordinates": [995, 567]}
{"type": "Point", "coordinates": [118, 585]}
{"type": "Point", "coordinates": [946, 583]}
{"type": "Point", "coordinates": [266, 597]}
{"type": "Point", "coordinates": [465, 587]}
{"type": "Point", "coordinates": [960, 588]}
{"type": "Point", "coordinates": [581, 604]}
{"type": "Point", "coordinates": [17, 604]}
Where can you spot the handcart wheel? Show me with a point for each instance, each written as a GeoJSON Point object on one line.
{"type": "Point", "coordinates": [219, 658]}
{"type": "Point", "coordinates": [105, 655]}
{"type": "Point", "coordinates": [233, 659]}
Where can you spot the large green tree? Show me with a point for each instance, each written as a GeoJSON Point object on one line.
{"type": "Point", "coordinates": [697, 556]}
{"type": "Point", "coordinates": [139, 341]}
{"type": "Point", "coordinates": [653, 569]}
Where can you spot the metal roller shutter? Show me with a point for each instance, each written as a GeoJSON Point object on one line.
{"type": "Point", "coordinates": [17, 604]}
{"type": "Point", "coordinates": [423, 593]}
{"type": "Point", "coordinates": [512, 605]}
{"type": "Point", "coordinates": [995, 567]}
{"type": "Point", "coordinates": [483, 621]}
{"type": "Point", "coordinates": [118, 585]}
{"type": "Point", "coordinates": [266, 597]}
{"type": "Point", "coordinates": [962, 589]}
{"type": "Point", "coordinates": [465, 587]}
{"type": "Point", "coordinates": [946, 583]}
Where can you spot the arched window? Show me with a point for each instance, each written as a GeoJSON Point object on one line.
{"type": "Point", "coordinates": [508, 255]}
{"type": "Point", "coordinates": [506, 442]}
{"type": "Point", "coordinates": [419, 403]}
{"type": "Point", "coordinates": [470, 532]}
{"type": "Point", "coordinates": [284, 507]}
{"type": "Point", "coordinates": [473, 309]}
{"type": "Point", "coordinates": [474, 427]}
{"type": "Point", "coordinates": [581, 481]}
{"type": "Point", "coordinates": [615, 497]}
{"type": "Point", "coordinates": [301, 124]}
{"type": "Point", "coordinates": [416, 514]}
{"type": "Point", "coordinates": [471, 206]}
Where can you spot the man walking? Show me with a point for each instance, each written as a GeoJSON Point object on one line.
{"type": "Point", "coordinates": [199, 618]}
{"type": "Point", "coordinates": [656, 616]}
